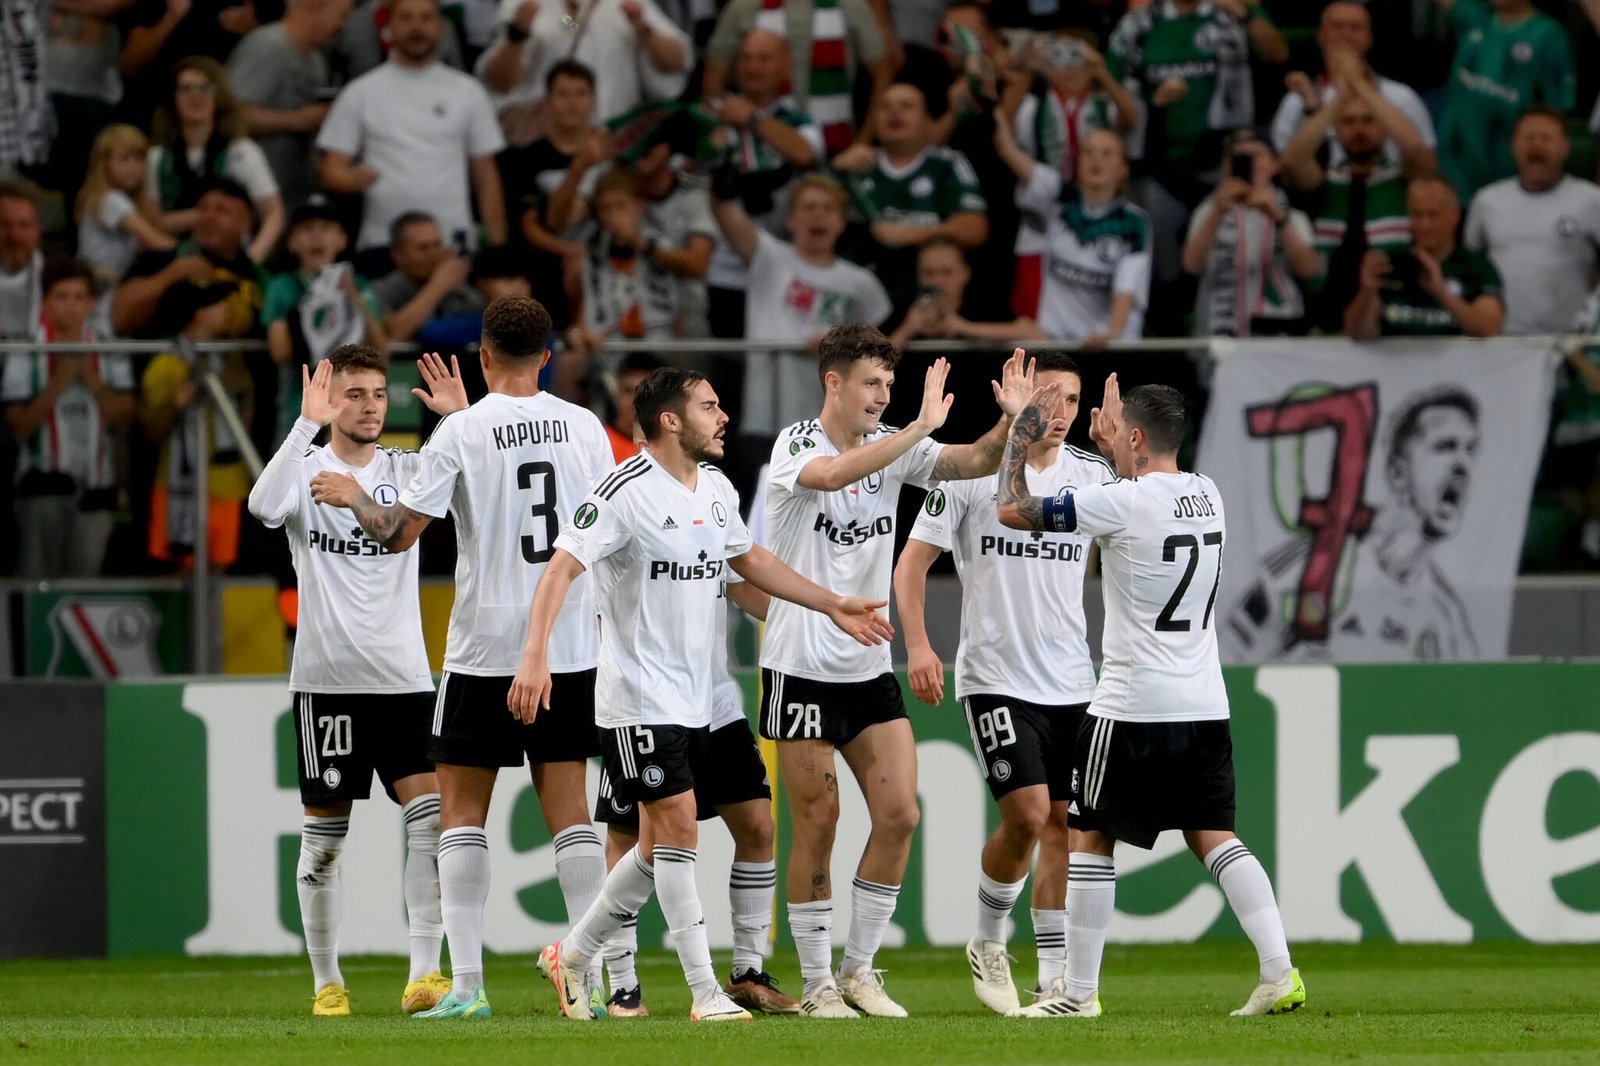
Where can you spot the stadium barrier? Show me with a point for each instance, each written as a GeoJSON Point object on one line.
{"type": "Point", "coordinates": [1425, 803]}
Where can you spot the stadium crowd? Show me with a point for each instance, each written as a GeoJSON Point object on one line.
{"type": "Point", "coordinates": [313, 173]}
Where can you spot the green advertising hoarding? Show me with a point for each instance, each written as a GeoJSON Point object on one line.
{"type": "Point", "coordinates": [1416, 803]}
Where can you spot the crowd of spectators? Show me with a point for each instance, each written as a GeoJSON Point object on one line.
{"type": "Point", "coordinates": [307, 173]}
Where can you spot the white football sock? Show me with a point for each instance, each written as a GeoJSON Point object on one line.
{"type": "Point", "coordinates": [680, 905]}
{"type": "Point", "coordinates": [422, 884]}
{"type": "Point", "coordinates": [1091, 901]}
{"type": "Point", "coordinates": [995, 901]}
{"type": "Point", "coordinates": [1050, 940]}
{"type": "Point", "coordinates": [621, 956]}
{"type": "Point", "coordinates": [317, 884]}
{"type": "Point", "coordinates": [811, 926]}
{"type": "Point", "coordinates": [463, 888]}
{"type": "Point", "coordinates": [626, 889]}
{"type": "Point", "coordinates": [871, 908]}
{"type": "Point", "coordinates": [1249, 893]}
{"type": "Point", "coordinates": [751, 888]}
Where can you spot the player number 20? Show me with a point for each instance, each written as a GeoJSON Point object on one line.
{"type": "Point", "coordinates": [995, 729]}
{"type": "Point", "coordinates": [544, 511]}
{"type": "Point", "coordinates": [336, 734]}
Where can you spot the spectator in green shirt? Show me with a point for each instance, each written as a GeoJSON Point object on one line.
{"type": "Point", "coordinates": [1434, 289]}
{"type": "Point", "coordinates": [1508, 56]}
{"type": "Point", "coordinates": [1188, 63]}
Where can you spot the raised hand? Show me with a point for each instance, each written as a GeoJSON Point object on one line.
{"type": "Point", "coordinates": [935, 404]}
{"type": "Point", "coordinates": [860, 619]}
{"type": "Point", "coordinates": [317, 401]}
{"type": "Point", "coordinates": [1037, 419]}
{"type": "Point", "coordinates": [1011, 392]}
{"type": "Point", "coordinates": [1105, 421]}
{"type": "Point", "coordinates": [443, 391]}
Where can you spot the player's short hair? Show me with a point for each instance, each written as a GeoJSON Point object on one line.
{"type": "Point", "coordinates": [568, 68]}
{"type": "Point", "coordinates": [666, 389]}
{"type": "Point", "coordinates": [1158, 410]}
{"type": "Point", "coordinates": [516, 328]}
{"type": "Point", "coordinates": [1407, 425]}
{"type": "Point", "coordinates": [348, 357]}
{"type": "Point", "coordinates": [842, 346]}
{"type": "Point", "coordinates": [64, 268]}
{"type": "Point", "coordinates": [1051, 359]}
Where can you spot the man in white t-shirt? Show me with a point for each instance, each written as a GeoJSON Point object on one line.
{"type": "Point", "coordinates": [1023, 676]}
{"type": "Point", "coordinates": [363, 693]}
{"type": "Point", "coordinates": [504, 469]}
{"type": "Point", "coordinates": [658, 532]}
{"type": "Point", "coordinates": [796, 292]}
{"type": "Point", "coordinates": [410, 134]}
{"type": "Point", "coordinates": [1345, 37]}
{"type": "Point", "coordinates": [1154, 752]}
{"type": "Point", "coordinates": [833, 493]}
{"type": "Point", "coordinates": [1541, 228]}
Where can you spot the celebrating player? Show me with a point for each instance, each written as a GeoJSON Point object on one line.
{"type": "Point", "coordinates": [833, 487]}
{"type": "Point", "coordinates": [1154, 751]}
{"type": "Point", "coordinates": [658, 532]}
{"type": "Point", "coordinates": [363, 694]}
{"type": "Point", "coordinates": [740, 795]}
{"type": "Point", "coordinates": [503, 468]}
{"type": "Point", "coordinates": [1023, 674]}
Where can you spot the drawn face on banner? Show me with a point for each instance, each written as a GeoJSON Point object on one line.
{"type": "Point", "coordinates": [1431, 455]}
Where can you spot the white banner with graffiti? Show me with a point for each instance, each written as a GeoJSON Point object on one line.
{"type": "Point", "coordinates": [1377, 494]}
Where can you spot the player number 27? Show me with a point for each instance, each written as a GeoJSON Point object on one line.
{"type": "Point", "coordinates": [1165, 623]}
{"type": "Point", "coordinates": [544, 511]}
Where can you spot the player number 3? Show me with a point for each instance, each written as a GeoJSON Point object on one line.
{"type": "Point", "coordinates": [543, 512]}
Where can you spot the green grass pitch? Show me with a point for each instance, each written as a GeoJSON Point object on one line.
{"type": "Point", "coordinates": [1369, 1003]}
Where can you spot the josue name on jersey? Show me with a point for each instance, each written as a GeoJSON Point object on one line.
{"type": "Point", "coordinates": [518, 434]}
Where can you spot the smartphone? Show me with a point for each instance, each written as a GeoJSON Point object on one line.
{"type": "Point", "coordinates": [1243, 166]}
{"type": "Point", "coordinates": [1404, 270]}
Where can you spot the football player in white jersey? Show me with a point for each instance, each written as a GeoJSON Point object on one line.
{"type": "Point", "coordinates": [1154, 752]}
{"type": "Point", "coordinates": [1023, 675]}
{"type": "Point", "coordinates": [833, 489]}
{"type": "Point", "coordinates": [363, 693]}
{"type": "Point", "coordinates": [504, 469]}
{"type": "Point", "coordinates": [658, 533]}
{"type": "Point", "coordinates": [740, 794]}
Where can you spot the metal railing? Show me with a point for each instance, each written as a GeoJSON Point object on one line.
{"type": "Point", "coordinates": [199, 579]}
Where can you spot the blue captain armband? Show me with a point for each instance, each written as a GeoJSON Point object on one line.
{"type": "Point", "coordinates": [1060, 513]}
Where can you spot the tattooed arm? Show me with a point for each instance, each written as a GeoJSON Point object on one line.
{"type": "Point", "coordinates": [1018, 508]}
{"type": "Point", "coordinates": [982, 457]}
{"type": "Point", "coordinates": [396, 526]}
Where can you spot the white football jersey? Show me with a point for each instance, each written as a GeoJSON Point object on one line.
{"type": "Point", "coordinates": [1022, 628]}
{"type": "Point", "coordinates": [507, 468]}
{"type": "Point", "coordinates": [657, 552]}
{"type": "Point", "coordinates": [1161, 562]}
{"type": "Point", "coordinates": [360, 626]}
{"type": "Point", "coordinates": [727, 698]}
{"type": "Point", "coordinates": [844, 541]}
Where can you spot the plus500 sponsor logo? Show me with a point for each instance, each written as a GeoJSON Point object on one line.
{"type": "Point", "coordinates": [853, 532]}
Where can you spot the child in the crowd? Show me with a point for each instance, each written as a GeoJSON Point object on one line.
{"type": "Point", "coordinates": [65, 411]}
{"type": "Point", "coordinates": [117, 216]}
{"type": "Point", "coordinates": [317, 307]}
{"type": "Point", "coordinates": [171, 409]}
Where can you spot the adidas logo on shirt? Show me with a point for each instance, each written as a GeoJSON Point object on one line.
{"type": "Point", "coordinates": [669, 523]}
